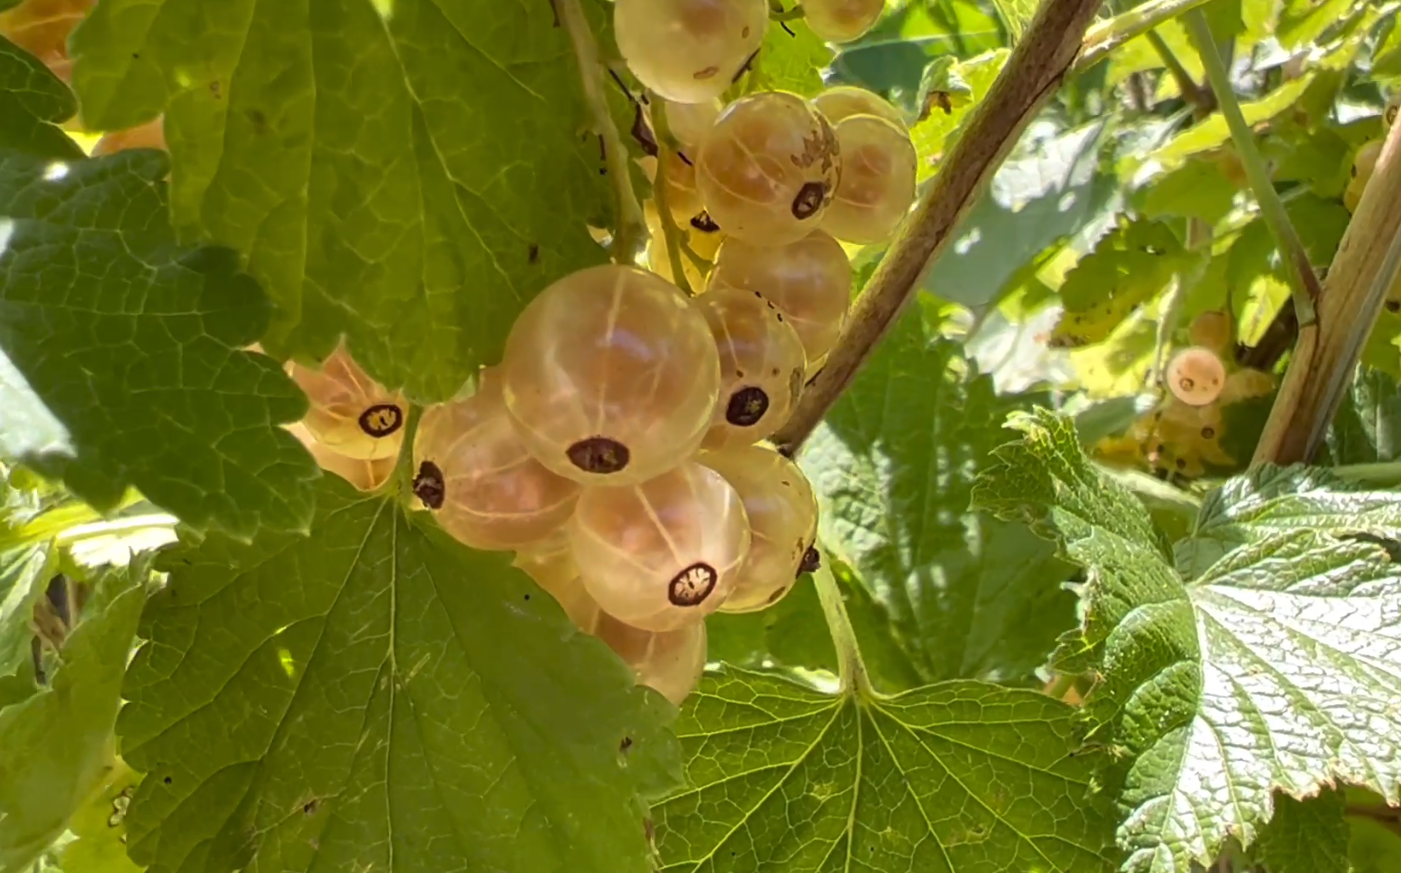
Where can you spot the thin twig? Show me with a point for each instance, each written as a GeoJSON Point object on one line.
{"type": "Point", "coordinates": [1303, 284]}
{"type": "Point", "coordinates": [1364, 270]}
{"type": "Point", "coordinates": [1196, 97]}
{"type": "Point", "coordinates": [631, 233]}
{"type": "Point", "coordinates": [1033, 72]}
{"type": "Point", "coordinates": [1106, 36]}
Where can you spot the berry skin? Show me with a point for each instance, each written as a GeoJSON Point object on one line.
{"type": "Point", "coordinates": [664, 553]}
{"type": "Point", "coordinates": [1362, 167]}
{"type": "Point", "coordinates": [364, 475]}
{"type": "Point", "coordinates": [679, 177]}
{"type": "Point", "coordinates": [669, 662]}
{"type": "Point", "coordinates": [150, 135]}
{"type": "Point", "coordinates": [768, 169]}
{"type": "Point", "coordinates": [611, 376]}
{"type": "Point", "coordinates": [842, 20]}
{"type": "Point", "coordinates": [1212, 330]}
{"type": "Point", "coordinates": [690, 122]}
{"type": "Point", "coordinates": [761, 366]}
{"type": "Point", "coordinates": [550, 563]}
{"type": "Point", "coordinates": [1196, 376]}
{"type": "Point", "coordinates": [844, 101]}
{"type": "Point", "coordinates": [782, 512]}
{"type": "Point", "coordinates": [42, 28]}
{"type": "Point", "coordinates": [689, 51]}
{"type": "Point", "coordinates": [809, 281]}
{"type": "Point", "coordinates": [351, 413]}
{"type": "Point", "coordinates": [474, 473]}
{"type": "Point", "coordinates": [879, 166]}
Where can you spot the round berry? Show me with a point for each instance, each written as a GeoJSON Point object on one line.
{"type": "Point", "coordinates": [690, 122]}
{"type": "Point", "coordinates": [842, 20]}
{"type": "Point", "coordinates": [611, 376]}
{"type": "Point", "coordinates": [1196, 376]}
{"type": "Point", "coordinates": [664, 553]}
{"type": "Point", "coordinates": [782, 512]}
{"type": "Point", "coordinates": [678, 174]}
{"type": "Point", "coordinates": [350, 413]}
{"type": "Point", "coordinates": [42, 28]}
{"type": "Point", "coordinates": [364, 475]}
{"type": "Point", "coordinates": [844, 101]}
{"type": "Point", "coordinates": [550, 562]}
{"type": "Point", "coordinates": [879, 165]}
{"type": "Point", "coordinates": [761, 366]}
{"type": "Point", "coordinates": [768, 168]}
{"type": "Point", "coordinates": [808, 280]}
{"type": "Point", "coordinates": [689, 50]}
{"type": "Point", "coordinates": [483, 487]}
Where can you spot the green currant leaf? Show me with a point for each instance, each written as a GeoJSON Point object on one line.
{"type": "Point", "coordinates": [1306, 836]}
{"type": "Point", "coordinates": [380, 166]}
{"type": "Point", "coordinates": [957, 776]}
{"type": "Point", "coordinates": [131, 343]}
{"type": "Point", "coordinates": [1264, 658]}
{"type": "Point", "coordinates": [58, 743]}
{"type": "Point", "coordinates": [33, 102]}
{"type": "Point", "coordinates": [375, 695]}
{"type": "Point", "coordinates": [1375, 843]}
{"type": "Point", "coordinates": [939, 121]}
{"type": "Point", "coordinates": [1367, 427]}
{"type": "Point", "coordinates": [893, 464]}
{"type": "Point", "coordinates": [791, 59]}
{"type": "Point", "coordinates": [99, 826]}
{"type": "Point", "coordinates": [24, 574]}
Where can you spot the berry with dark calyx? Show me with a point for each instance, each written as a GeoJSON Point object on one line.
{"type": "Point", "coordinates": [611, 376]}
{"type": "Point", "coordinates": [663, 553]}
{"type": "Point", "coordinates": [761, 360]}
{"type": "Point", "coordinates": [768, 168]}
{"type": "Point", "coordinates": [842, 20]}
{"type": "Point", "coordinates": [1196, 376]}
{"type": "Point", "coordinates": [782, 512]}
{"type": "Point", "coordinates": [349, 412]}
{"type": "Point", "coordinates": [689, 51]}
{"type": "Point", "coordinates": [490, 493]}
{"type": "Point", "coordinates": [844, 101]}
{"type": "Point", "coordinates": [364, 475]}
{"type": "Point", "coordinates": [879, 166]}
{"type": "Point", "coordinates": [808, 280]}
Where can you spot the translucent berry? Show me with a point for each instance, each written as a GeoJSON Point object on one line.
{"type": "Point", "coordinates": [842, 20]}
{"type": "Point", "coordinates": [364, 475]}
{"type": "Point", "coordinates": [150, 135]}
{"type": "Point", "coordinates": [351, 413]}
{"type": "Point", "coordinates": [768, 168]}
{"type": "Point", "coordinates": [670, 662]}
{"type": "Point", "coordinates": [840, 103]}
{"type": "Point", "coordinates": [782, 512]}
{"type": "Point", "coordinates": [1363, 166]}
{"type": "Point", "coordinates": [42, 28]}
{"type": "Point", "coordinates": [761, 366]}
{"type": "Point", "coordinates": [679, 177]}
{"type": "Point", "coordinates": [879, 166]}
{"type": "Point", "coordinates": [1196, 376]}
{"type": "Point", "coordinates": [1212, 330]}
{"type": "Point", "coordinates": [689, 50]}
{"type": "Point", "coordinates": [690, 122]}
{"type": "Point", "coordinates": [664, 553]}
{"type": "Point", "coordinates": [550, 562]}
{"type": "Point", "coordinates": [473, 471]}
{"type": "Point", "coordinates": [611, 375]}
{"type": "Point", "coordinates": [809, 281]}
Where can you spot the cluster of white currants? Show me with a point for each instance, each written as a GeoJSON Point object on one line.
{"type": "Point", "coordinates": [619, 447]}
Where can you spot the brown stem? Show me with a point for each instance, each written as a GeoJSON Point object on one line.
{"type": "Point", "coordinates": [1364, 270]}
{"type": "Point", "coordinates": [1033, 72]}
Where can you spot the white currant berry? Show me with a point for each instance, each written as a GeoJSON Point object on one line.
{"type": "Point", "coordinates": [678, 174]}
{"type": "Point", "coordinates": [768, 168]}
{"type": "Point", "coordinates": [879, 166]}
{"type": "Point", "coordinates": [689, 51]}
{"type": "Point", "coordinates": [611, 375]}
{"type": "Point", "coordinates": [482, 485]}
{"type": "Point", "coordinates": [1212, 330]}
{"type": "Point", "coordinates": [664, 553]}
{"type": "Point", "coordinates": [761, 366]}
{"type": "Point", "coordinates": [844, 101]}
{"type": "Point", "coordinates": [150, 135]}
{"type": "Point", "coordinates": [42, 28]}
{"type": "Point", "coordinates": [809, 281]}
{"type": "Point", "coordinates": [550, 562]}
{"type": "Point", "coordinates": [670, 662]}
{"type": "Point", "coordinates": [690, 122]}
{"type": "Point", "coordinates": [782, 512]}
{"type": "Point", "coordinates": [364, 475]}
{"type": "Point", "coordinates": [1196, 376]}
{"type": "Point", "coordinates": [349, 412]}
{"type": "Point", "coordinates": [842, 20]}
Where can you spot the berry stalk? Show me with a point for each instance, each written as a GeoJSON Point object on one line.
{"type": "Point", "coordinates": [851, 669]}
{"type": "Point", "coordinates": [630, 235]}
{"type": "Point", "coordinates": [1035, 69]}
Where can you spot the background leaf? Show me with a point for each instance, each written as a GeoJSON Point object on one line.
{"type": "Point", "coordinates": [132, 342]}
{"type": "Point", "coordinates": [960, 776]}
{"type": "Point", "coordinates": [1306, 836]}
{"type": "Point", "coordinates": [33, 102]}
{"type": "Point", "coordinates": [376, 694]}
{"type": "Point", "coordinates": [399, 156]}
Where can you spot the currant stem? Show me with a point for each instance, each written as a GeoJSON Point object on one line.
{"type": "Point", "coordinates": [851, 669]}
{"type": "Point", "coordinates": [1303, 284]}
{"type": "Point", "coordinates": [630, 235]}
